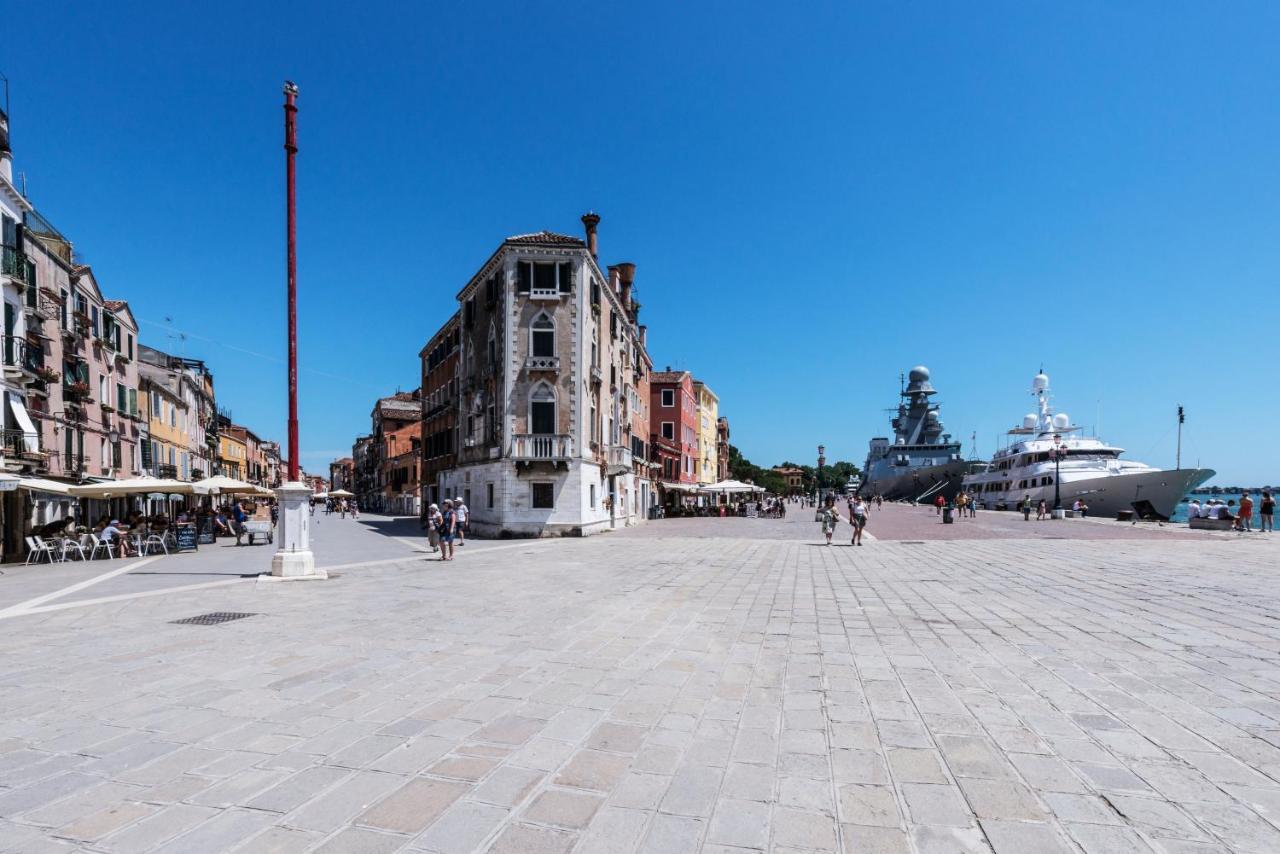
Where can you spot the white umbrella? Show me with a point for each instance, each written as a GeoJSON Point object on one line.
{"type": "Point", "coordinates": [734, 486]}
{"type": "Point", "coordinates": [341, 493]}
{"type": "Point", "coordinates": [320, 495]}
{"type": "Point", "coordinates": [222, 485]}
{"type": "Point", "coordinates": [131, 486]}
{"type": "Point", "coordinates": [36, 484]}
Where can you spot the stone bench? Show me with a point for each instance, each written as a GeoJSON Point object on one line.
{"type": "Point", "coordinates": [1200, 524]}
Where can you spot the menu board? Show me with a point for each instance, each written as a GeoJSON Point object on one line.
{"type": "Point", "coordinates": [185, 534]}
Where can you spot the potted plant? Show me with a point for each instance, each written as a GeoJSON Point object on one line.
{"type": "Point", "coordinates": [47, 374]}
{"type": "Point", "coordinates": [78, 390]}
{"type": "Point", "coordinates": [107, 409]}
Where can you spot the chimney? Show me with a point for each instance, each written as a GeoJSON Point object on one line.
{"type": "Point", "coordinates": [627, 275]}
{"type": "Point", "coordinates": [6, 158]}
{"type": "Point", "coordinates": [590, 220]}
{"type": "Point", "coordinates": [613, 277]}
{"type": "Point", "coordinates": [644, 336]}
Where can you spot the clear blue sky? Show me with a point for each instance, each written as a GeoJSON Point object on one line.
{"type": "Point", "coordinates": [817, 198]}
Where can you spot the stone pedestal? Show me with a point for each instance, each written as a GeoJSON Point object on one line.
{"type": "Point", "coordinates": [1060, 514]}
{"type": "Point", "coordinates": [293, 559]}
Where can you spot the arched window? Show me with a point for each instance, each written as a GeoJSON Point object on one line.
{"type": "Point", "coordinates": [542, 336]}
{"type": "Point", "coordinates": [542, 409]}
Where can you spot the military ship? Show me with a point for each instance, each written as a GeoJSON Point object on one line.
{"type": "Point", "coordinates": [921, 462]}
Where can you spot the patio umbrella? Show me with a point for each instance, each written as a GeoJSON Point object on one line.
{"type": "Point", "coordinates": [222, 485]}
{"type": "Point", "coordinates": [131, 486]}
{"type": "Point", "coordinates": [53, 487]}
{"type": "Point", "coordinates": [734, 486]}
{"type": "Point", "coordinates": [341, 493]}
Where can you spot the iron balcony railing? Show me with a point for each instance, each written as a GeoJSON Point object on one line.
{"type": "Point", "coordinates": [167, 472]}
{"type": "Point", "coordinates": [541, 446]}
{"type": "Point", "coordinates": [18, 353]}
{"type": "Point", "coordinates": [15, 445]}
{"type": "Point", "coordinates": [13, 263]}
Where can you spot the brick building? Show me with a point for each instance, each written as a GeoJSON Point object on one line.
{"type": "Point", "coordinates": [439, 360]}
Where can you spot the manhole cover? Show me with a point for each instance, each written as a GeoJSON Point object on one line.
{"type": "Point", "coordinates": [913, 542]}
{"type": "Point", "coordinates": [213, 618]}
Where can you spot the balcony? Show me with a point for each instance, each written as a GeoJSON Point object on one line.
{"type": "Point", "coordinates": [541, 447]}
{"type": "Point", "coordinates": [542, 363]}
{"type": "Point", "coordinates": [619, 460]}
{"type": "Point", "coordinates": [13, 263]}
{"type": "Point", "coordinates": [596, 375]}
{"type": "Point", "coordinates": [40, 305]}
{"type": "Point", "coordinates": [21, 359]}
{"type": "Point", "coordinates": [16, 451]}
{"type": "Point", "coordinates": [167, 472]}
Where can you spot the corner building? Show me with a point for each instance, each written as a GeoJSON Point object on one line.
{"type": "Point", "coordinates": [549, 364]}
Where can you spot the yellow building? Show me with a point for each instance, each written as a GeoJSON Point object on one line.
{"type": "Point", "coordinates": [233, 453]}
{"type": "Point", "coordinates": [166, 451]}
{"type": "Point", "coordinates": [706, 465]}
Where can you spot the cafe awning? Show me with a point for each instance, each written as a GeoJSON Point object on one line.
{"type": "Point", "coordinates": [132, 486]}
{"type": "Point", "coordinates": [223, 485]}
{"type": "Point", "coordinates": [30, 436]}
{"type": "Point", "coordinates": [734, 486]}
{"type": "Point", "coordinates": [36, 484]}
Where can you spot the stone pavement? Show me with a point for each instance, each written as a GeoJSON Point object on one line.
{"type": "Point", "coordinates": [665, 690]}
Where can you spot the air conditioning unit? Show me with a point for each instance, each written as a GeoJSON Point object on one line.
{"type": "Point", "coordinates": [471, 443]}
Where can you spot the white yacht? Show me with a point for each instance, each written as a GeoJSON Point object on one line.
{"type": "Point", "coordinates": [1087, 468]}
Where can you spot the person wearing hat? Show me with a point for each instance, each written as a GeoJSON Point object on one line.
{"type": "Point", "coordinates": [112, 534]}
{"type": "Point", "coordinates": [464, 518]}
{"type": "Point", "coordinates": [448, 527]}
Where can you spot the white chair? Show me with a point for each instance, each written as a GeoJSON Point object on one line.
{"type": "Point", "coordinates": [35, 550]}
{"type": "Point", "coordinates": [73, 546]}
{"type": "Point", "coordinates": [155, 541]}
{"type": "Point", "coordinates": [53, 550]}
{"type": "Point", "coordinates": [101, 545]}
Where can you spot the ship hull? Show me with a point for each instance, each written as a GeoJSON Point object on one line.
{"type": "Point", "coordinates": [916, 482]}
{"type": "Point", "coordinates": [1111, 494]}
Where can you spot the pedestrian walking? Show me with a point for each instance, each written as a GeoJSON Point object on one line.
{"type": "Point", "coordinates": [313, 507]}
{"type": "Point", "coordinates": [239, 516]}
{"type": "Point", "coordinates": [1267, 512]}
{"type": "Point", "coordinates": [434, 521]}
{"type": "Point", "coordinates": [858, 518]}
{"type": "Point", "coordinates": [448, 527]}
{"type": "Point", "coordinates": [1025, 507]}
{"type": "Point", "coordinates": [355, 509]}
{"type": "Point", "coordinates": [939, 502]}
{"type": "Point", "coordinates": [829, 519]}
{"type": "Point", "coordinates": [1041, 510]}
{"type": "Point", "coordinates": [464, 519]}
{"type": "Point", "coordinates": [342, 507]}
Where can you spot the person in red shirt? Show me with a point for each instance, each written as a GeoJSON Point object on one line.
{"type": "Point", "coordinates": [939, 502]}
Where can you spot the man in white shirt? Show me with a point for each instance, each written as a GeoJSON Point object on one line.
{"type": "Point", "coordinates": [464, 517]}
{"type": "Point", "coordinates": [1213, 510]}
{"type": "Point", "coordinates": [1193, 509]}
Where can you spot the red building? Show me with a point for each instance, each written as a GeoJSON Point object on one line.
{"type": "Point", "coordinates": [673, 425]}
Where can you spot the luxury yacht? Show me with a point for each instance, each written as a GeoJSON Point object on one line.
{"type": "Point", "coordinates": [1088, 469]}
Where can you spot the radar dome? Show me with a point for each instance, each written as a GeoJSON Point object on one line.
{"type": "Point", "coordinates": [901, 441]}
{"type": "Point", "coordinates": [918, 374]}
{"type": "Point", "coordinates": [1061, 421]}
{"type": "Point", "coordinates": [1028, 421]}
{"type": "Point", "coordinates": [1040, 383]}
{"type": "Point", "coordinates": [933, 416]}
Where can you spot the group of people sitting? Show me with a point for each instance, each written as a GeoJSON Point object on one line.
{"type": "Point", "coordinates": [1241, 517]}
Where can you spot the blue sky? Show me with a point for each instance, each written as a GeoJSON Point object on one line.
{"type": "Point", "coordinates": [816, 197]}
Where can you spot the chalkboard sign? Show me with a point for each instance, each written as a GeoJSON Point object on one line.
{"type": "Point", "coordinates": [206, 536]}
{"type": "Point", "coordinates": [186, 537]}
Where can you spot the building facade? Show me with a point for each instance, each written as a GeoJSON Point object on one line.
{"type": "Point", "coordinates": [722, 448]}
{"type": "Point", "coordinates": [439, 408]}
{"type": "Point", "coordinates": [708, 415]}
{"type": "Point", "coordinates": [674, 425]}
{"type": "Point", "coordinates": [549, 360]}
{"type": "Point", "coordinates": [342, 474]}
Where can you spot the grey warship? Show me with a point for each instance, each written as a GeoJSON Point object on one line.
{"type": "Point", "coordinates": [921, 462]}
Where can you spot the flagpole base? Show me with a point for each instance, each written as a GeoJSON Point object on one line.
{"type": "Point", "coordinates": [293, 560]}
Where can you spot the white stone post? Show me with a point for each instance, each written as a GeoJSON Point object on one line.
{"type": "Point", "coordinates": [293, 559]}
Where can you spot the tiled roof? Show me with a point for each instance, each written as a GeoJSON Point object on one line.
{"type": "Point", "coordinates": [114, 304]}
{"type": "Point", "coordinates": [547, 237]}
{"type": "Point", "coordinates": [667, 376]}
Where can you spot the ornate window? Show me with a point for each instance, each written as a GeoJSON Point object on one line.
{"type": "Point", "coordinates": [542, 336]}
{"type": "Point", "coordinates": [542, 409]}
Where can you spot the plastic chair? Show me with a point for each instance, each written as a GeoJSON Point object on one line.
{"type": "Point", "coordinates": [73, 545]}
{"type": "Point", "coordinates": [35, 549]}
{"type": "Point", "coordinates": [156, 540]}
{"type": "Point", "coordinates": [52, 548]}
{"type": "Point", "coordinates": [101, 545]}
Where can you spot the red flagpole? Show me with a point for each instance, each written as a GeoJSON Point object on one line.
{"type": "Point", "coordinates": [291, 151]}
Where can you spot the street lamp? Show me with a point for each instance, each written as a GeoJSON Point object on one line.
{"type": "Point", "coordinates": [817, 478]}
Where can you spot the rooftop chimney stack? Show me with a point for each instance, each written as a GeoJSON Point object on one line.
{"type": "Point", "coordinates": [644, 336]}
{"type": "Point", "coordinates": [590, 220]}
{"type": "Point", "coordinates": [627, 275]}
